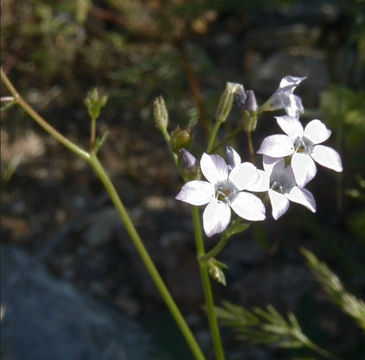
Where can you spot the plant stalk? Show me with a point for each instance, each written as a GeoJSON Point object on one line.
{"type": "Point", "coordinates": [213, 136]}
{"type": "Point", "coordinates": [131, 230]}
{"type": "Point", "coordinates": [208, 294]}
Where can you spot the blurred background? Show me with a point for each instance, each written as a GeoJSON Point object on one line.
{"type": "Point", "coordinates": [73, 286]}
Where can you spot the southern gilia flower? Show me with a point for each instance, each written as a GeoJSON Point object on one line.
{"type": "Point", "coordinates": [303, 145]}
{"type": "Point", "coordinates": [283, 97]}
{"type": "Point", "coordinates": [281, 186]}
{"type": "Point", "coordinates": [222, 191]}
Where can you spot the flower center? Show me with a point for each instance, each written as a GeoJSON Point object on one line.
{"type": "Point", "coordinates": [225, 191]}
{"type": "Point", "coordinates": [277, 187]}
{"type": "Point", "coordinates": [303, 145]}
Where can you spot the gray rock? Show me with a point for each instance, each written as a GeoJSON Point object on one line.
{"type": "Point", "coordinates": [44, 319]}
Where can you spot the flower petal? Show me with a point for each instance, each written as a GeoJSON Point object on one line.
{"type": "Point", "coordinates": [233, 158]}
{"type": "Point", "coordinates": [290, 125]}
{"type": "Point", "coordinates": [304, 168]}
{"type": "Point", "coordinates": [248, 206]}
{"type": "Point", "coordinates": [244, 175]}
{"type": "Point", "coordinates": [295, 106]}
{"type": "Point", "coordinates": [216, 217]}
{"type": "Point", "coordinates": [269, 163]}
{"type": "Point", "coordinates": [303, 197]}
{"type": "Point", "coordinates": [214, 168]}
{"type": "Point", "coordinates": [277, 146]}
{"type": "Point", "coordinates": [196, 192]}
{"type": "Point", "coordinates": [279, 203]}
{"type": "Point", "coordinates": [262, 183]}
{"type": "Point", "coordinates": [316, 131]}
{"type": "Point", "coordinates": [327, 157]}
{"type": "Point", "coordinates": [292, 81]}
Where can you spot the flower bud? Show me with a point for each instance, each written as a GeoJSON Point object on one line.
{"type": "Point", "coordinates": [188, 161]}
{"type": "Point", "coordinates": [226, 100]}
{"type": "Point", "coordinates": [160, 113]}
{"type": "Point", "coordinates": [94, 102]}
{"type": "Point", "coordinates": [250, 105]}
{"type": "Point", "coordinates": [180, 139]}
{"type": "Point", "coordinates": [216, 273]}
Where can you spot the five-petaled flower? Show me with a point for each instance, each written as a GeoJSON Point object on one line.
{"type": "Point", "coordinates": [224, 190]}
{"type": "Point", "coordinates": [281, 186]}
{"type": "Point", "coordinates": [283, 97]}
{"type": "Point", "coordinates": [303, 145]}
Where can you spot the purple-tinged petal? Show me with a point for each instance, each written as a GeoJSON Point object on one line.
{"type": "Point", "coordinates": [214, 168]}
{"type": "Point", "coordinates": [188, 161]}
{"type": "Point", "coordinates": [277, 146]}
{"type": "Point", "coordinates": [269, 163]}
{"type": "Point", "coordinates": [262, 184]}
{"type": "Point", "coordinates": [290, 125]}
{"type": "Point", "coordinates": [216, 217]}
{"type": "Point", "coordinates": [317, 132]}
{"type": "Point", "coordinates": [327, 157]}
{"type": "Point", "coordinates": [303, 197]}
{"type": "Point", "coordinates": [196, 192]}
{"type": "Point", "coordinates": [244, 175]}
{"type": "Point", "coordinates": [295, 106]}
{"type": "Point", "coordinates": [279, 203]}
{"type": "Point", "coordinates": [304, 168]}
{"type": "Point", "coordinates": [248, 206]}
{"type": "Point", "coordinates": [233, 158]}
{"type": "Point", "coordinates": [292, 81]}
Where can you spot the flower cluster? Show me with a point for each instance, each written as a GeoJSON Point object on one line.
{"type": "Point", "coordinates": [232, 185]}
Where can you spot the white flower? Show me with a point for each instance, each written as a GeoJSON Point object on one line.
{"type": "Point", "coordinates": [283, 97]}
{"type": "Point", "coordinates": [303, 145]}
{"type": "Point", "coordinates": [223, 191]}
{"type": "Point", "coordinates": [279, 181]}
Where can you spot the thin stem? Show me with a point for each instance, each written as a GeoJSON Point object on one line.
{"type": "Point", "coordinates": [250, 147]}
{"type": "Point", "coordinates": [137, 241]}
{"type": "Point", "coordinates": [42, 122]}
{"type": "Point", "coordinates": [213, 135]}
{"type": "Point", "coordinates": [209, 301]}
{"type": "Point", "coordinates": [216, 250]}
{"type": "Point", "coordinates": [147, 261]}
{"type": "Point", "coordinates": [92, 133]}
{"type": "Point", "coordinates": [229, 137]}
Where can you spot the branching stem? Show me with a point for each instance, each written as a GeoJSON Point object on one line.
{"type": "Point", "coordinates": [92, 159]}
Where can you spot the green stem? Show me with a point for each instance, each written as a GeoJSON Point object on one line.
{"type": "Point", "coordinates": [216, 250]}
{"type": "Point", "coordinates": [42, 122]}
{"type": "Point", "coordinates": [137, 241]}
{"type": "Point", "coordinates": [250, 147]}
{"type": "Point", "coordinates": [209, 301]}
{"type": "Point", "coordinates": [229, 137]}
{"type": "Point", "coordinates": [153, 272]}
{"type": "Point", "coordinates": [213, 135]}
{"type": "Point", "coordinates": [92, 133]}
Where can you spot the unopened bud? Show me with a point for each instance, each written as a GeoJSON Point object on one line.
{"type": "Point", "coordinates": [226, 100]}
{"type": "Point", "coordinates": [216, 273]}
{"type": "Point", "coordinates": [94, 102]}
{"type": "Point", "coordinates": [180, 138]}
{"type": "Point", "coordinates": [249, 109]}
{"type": "Point", "coordinates": [160, 113]}
{"type": "Point", "coordinates": [250, 105]}
{"type": "Point", "coordinates": [188, 161]}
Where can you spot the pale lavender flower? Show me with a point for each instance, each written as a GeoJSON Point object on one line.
{"type": "Point", "coordinates": [303, 145]}
{"type": "Point", "coordinates": [283, 97]}
{"type": "Point", "coordinates": [280, 184]}
{"type": "Point", "coordinates": [222, 191]}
